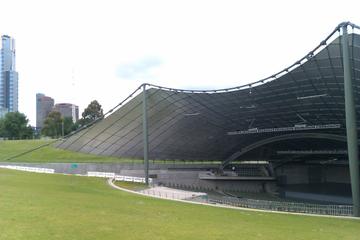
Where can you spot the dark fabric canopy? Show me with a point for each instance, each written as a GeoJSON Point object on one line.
{"type": "Point", "coordinates": [306, 98]}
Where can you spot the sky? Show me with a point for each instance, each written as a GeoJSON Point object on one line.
{"type": "Point", "coordinates": [77, 51]}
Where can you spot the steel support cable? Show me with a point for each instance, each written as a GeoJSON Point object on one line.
{"type": "Point", "coordinates": [290, 74]}
{"type": "Point", "coordinates": [138, 134]}
{"type": "Point", "coordinates": [115, 152]}
{"type": "Point", "coordinates": [215, 91]}
{"type": "Point", "coordinates": [132, 138]}
{"type": "Point", "coordinates": [171, 139]}
{"type": "Point", "coordinates": [252, 113]}
{"type": "Point", "coordinates": [101, 131]}
{"type": "Point", "coordinates": [314, 50]}
{"type": "Point", "coordinates": [87, 140]}
{"type": "Point", "coordinates": [288, 109]}
{"type": "Point", "coordinates": [336, 80]}
{"type": "Point", "coordinates": [181, 132]}
{"type": "Point", "coordinates": [129, 131]}
{"type": "Point", "coordinates": [245, 114]}
{"type": "Point", "coordinates": [109, 126]}
{"type": "Point", "coordinates": [310, 79]}
{"type": "Point", "coordinates": [341, 64]}
{"type": "Point", "coordinates": [168, 140]}
{"type": "Point", "coordinates": [165, 130]}
{"type": "Point", "coordinates": [260, 94]}
{"type": "Point", "coordinates": [211, 109]}
{"type": "Point", "coordinates": [342, 67]}
{"type": "Point", "coordinates": [226, 89]}
{"type": "Point", "coordinates": [134, 128]}
{"type": "Point", "coordinates": [328, 89]}
{"type": "Point", "coordinates": [203, 106]}
{"type": "Point", "coordinates": [88, 128]}
{"type": "Point", "coordinates": [219, 101]}
{"type": "Point", "coordinates": [352, 25]}
{"type": "Point", "coordinates": [267, 79]}
{"type": "Point", "coordinates": [353, 69]}
{"type": "Point", "coordinates": [202, 115]}
{"type": "Point", "coordinates": [91, 139]}
{"type": "Point", "coordinates": [278, 116]}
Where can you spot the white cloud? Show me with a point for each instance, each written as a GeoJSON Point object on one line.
{"type": "Point", "coordinates": [140, 69]}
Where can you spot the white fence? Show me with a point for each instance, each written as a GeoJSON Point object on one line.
{"type": "Point", "coordinates": [170, 193]}
{"type": "Point", "coordinates": [309, 208]}
{"type": "Point", "coordinates": [29, 169]}
{"type": "Point", "coordinates": [101, 174]}
{"type": "Point", "coordinates": [118, 177]}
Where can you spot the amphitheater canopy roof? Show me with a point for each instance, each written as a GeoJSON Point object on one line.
{"type": "Point", "coordinates": [298, 109]}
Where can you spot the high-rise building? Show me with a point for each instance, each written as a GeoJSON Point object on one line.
{"type": "Point", "coordinates": [67, 110]}
{"type": "Point", "coordinates": [8, 76]}
{"type": "Point", "coordinates": [44, 106]}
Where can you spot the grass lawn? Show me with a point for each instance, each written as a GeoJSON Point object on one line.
{"type": "Point", "coordinates": [40, 206]}
{"type": "Point", "coordinates": [52, 154]}
{"type": "Point", "coordinates": [131, 185]}
{"type": "Point", "coordinates": [48, 153]}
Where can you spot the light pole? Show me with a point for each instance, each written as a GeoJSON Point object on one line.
{"type": "Point", "coordinates": [351, 128]}
{"type": "Point", "coordinates": [145, 136]}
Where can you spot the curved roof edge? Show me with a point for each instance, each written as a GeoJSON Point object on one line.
{"type": "Point", "coordinates": [298, 63]}
{"type": "Point", "coordinates": [275, 76]}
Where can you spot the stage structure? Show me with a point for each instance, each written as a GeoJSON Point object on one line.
{"type": "Point", "coordinates": [309, 107]}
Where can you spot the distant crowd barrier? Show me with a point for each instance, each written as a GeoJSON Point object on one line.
{"type": "Point", "coordinates": [29, 169]}
{"type": "Point", "coordinates": [118, 177]}
{"type": "Point", "coordinates": [170, 193]}
{"type": "Point", "coordinates": [308, 208]}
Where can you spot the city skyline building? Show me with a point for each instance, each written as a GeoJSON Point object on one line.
{"type": "Point", "coordinates": [67, 110]}
{"type": "Point", "coordinates": [44, 105]}
{"type": "Point", "coordinates": [8, 77]}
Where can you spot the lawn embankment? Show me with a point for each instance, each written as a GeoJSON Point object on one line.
{"type": "Point", "coordinates": [133, 186]}
{"type": "Point", "coordinates": [40, 206]}
{"type": "Point", "coordinates": [48, 153]}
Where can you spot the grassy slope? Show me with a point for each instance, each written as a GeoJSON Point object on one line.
{"type": "Point", "coordinates": [131, 185]}
{"type": "Point", "coordinates": [39, 206]}
{"type": "Point", "coordinates": [52, 154]}
{"type": "Point", "coordinates": [47, 154]}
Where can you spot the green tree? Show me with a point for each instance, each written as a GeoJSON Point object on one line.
{"type": "Point", "coordinates": [52, 125]}
{"type": "Point", "coordinates": [15, 125]}
{"type": "Point", "coordinates": [2, 130]}
{"type": "Point", "coordinates": [69, 125]}
{"type": "Point", "coordinates": [92, 112]}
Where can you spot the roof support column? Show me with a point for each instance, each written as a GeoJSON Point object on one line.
{"type": "Point", "coordinates": [145, 136]}
{"type": "Point", "coordinates": [351, 128]}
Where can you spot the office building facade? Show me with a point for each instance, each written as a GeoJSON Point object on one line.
{"type": "Point", "coordinates": [67, 110]}
{"type": "Point", "coordinates": [8, 77]}
{"type": "Point", "coordinates": [44, 106]}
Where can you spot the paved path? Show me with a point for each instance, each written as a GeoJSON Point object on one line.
{"type": "Point", "coordinates": [172, 193]}
{"type": "Point", "coordinates": [110, 182]}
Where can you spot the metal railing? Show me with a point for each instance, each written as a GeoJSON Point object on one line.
{"type": "Point", "coordinates": [173, 194]}
{"type": "Point", "coordinates": [296, 207]}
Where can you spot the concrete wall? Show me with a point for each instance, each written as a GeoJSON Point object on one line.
{"type": "Point", "coordinates": [182, 176]}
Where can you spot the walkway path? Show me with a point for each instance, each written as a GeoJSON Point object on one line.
{"type": "Point", "coordinates": [169, 197]}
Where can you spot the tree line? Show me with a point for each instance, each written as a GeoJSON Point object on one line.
{"type": "Point", "coordinates": [15, 125]}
